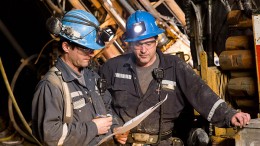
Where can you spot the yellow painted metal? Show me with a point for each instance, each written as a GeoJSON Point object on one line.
{"type": "Point", "coordinates": [204, 66]}
{"type": "Point", "coordinates": [96, 3]}
{"type": "Point", "coordinates": [76, 4]}
{"type": "Point", "coordinates": [222, 141]}
{"type": "Point", "coordinates": [217, 81]}
{"type": "Point", "coordinates": [167, 46]}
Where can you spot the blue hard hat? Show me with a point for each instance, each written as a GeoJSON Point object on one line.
{"type": "Point", "coordinates": [141, 25]}
{"type": "Point", "coordinates": [81, 27]}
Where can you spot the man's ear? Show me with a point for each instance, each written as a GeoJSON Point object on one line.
{"type": "Point", "coordinates": [65, 46]}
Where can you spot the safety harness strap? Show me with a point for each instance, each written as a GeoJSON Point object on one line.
{"type": "Point", "coordinates": [55, 77]}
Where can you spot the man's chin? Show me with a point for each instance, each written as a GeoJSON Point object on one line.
{"type": "Point", "coordinates": [85, 65]}
{"type": "Point", "coordinates": [142, 63]}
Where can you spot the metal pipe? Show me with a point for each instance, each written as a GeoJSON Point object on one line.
{"type": "Point", "coordinates": [116, 44]}
{"type": "Point", "coordinates": [210, 52]}
{"type": "Point", "coordinates": [240, 4]}
{"type": "Point", "coordinates": [247, 7]}
{"type": "Point", "coordinates": [226, 4]}
{"type": "Point", "coordinates": [112, 11]}
{"type": "Point", "coordinates": [54, 7]}
{"type": "Point", "coordinates": [158, 3]}
{"type": "Point", "coordinates": [127, 6]}
{"type": "Point", "coordinates": [12, 40]}
{"type": "Point", "coordinates": [148, 6]}
{"type": "Point", "coordinates": [137, 4]}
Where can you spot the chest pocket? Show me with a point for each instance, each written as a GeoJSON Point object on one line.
{"type": "Point", "coordinates": [123, 90]}
{"type": "Point", "coordinates": [124, 82]}
{"type": "Point", "coordinates": [174, 104]}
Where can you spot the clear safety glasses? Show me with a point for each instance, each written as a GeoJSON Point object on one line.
{"type": "Point", "coordinates": [147, 45]}
{"type": "Point", "coordinates": [85, 50]}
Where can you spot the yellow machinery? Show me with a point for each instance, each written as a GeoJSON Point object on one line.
{"type": "Point", "coordinates": [230, 74]}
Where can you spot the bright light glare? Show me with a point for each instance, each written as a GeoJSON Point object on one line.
{"type": "Point", "coordinates": [138, 29]}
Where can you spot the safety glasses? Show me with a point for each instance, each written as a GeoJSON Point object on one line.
{"type": "Point", "coordinates": [147, 45]}
{"type": "Point", "coordinates": [85, 50]}
{"type": "Point", "coordinates": [82, 49]}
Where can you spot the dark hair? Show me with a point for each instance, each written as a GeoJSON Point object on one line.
{"type": "Point", "coordinates": [72, 44]}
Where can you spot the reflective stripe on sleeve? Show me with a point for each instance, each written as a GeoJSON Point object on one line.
{"type": "Point", "coordinates": [64, 134]}
{"type": "Point", "coordinates": [212, 111]}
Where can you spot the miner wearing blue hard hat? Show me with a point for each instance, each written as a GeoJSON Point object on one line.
{"type": "Point", "coordinates": [68, 108]}
{"type": "Point", "coordinates": [139, 80]}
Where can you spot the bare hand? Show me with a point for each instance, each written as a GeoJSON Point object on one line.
{"type": "Point", "coordinates": [240, 119]}
{"type": "Point", "coordinates": [121, 138]}
{"type": "Point", "coordinates": [103, 124]}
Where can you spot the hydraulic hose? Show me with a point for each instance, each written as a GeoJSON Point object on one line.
{"type": "Point", "coordinates": [10, 105]}
{"type": "Point", "coordinates": [5, 134]}
{"type": "Point", "coordinates": [187, 12]}
{"type": "Point", "coordinates": [15, 103]}
{"type": "Point", "coordinates": [190, 32]}
{"type": "Point", "coordinates": [43, 49]}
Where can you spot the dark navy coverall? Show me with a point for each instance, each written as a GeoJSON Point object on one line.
{"type": "Point", "coordinates": [181, 84]}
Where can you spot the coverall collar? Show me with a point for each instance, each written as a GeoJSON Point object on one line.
{"type": "Point", "coordinates": [66, 74]}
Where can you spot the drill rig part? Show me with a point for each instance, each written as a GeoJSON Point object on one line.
{"type": "Point", "coordinates": [127, 6]}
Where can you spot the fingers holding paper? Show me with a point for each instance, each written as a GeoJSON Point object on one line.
{"type": "Point", "coordinates": [121, 138]}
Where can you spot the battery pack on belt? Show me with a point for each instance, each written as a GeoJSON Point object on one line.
{"type": "Point", "coordinates": [144, 138]}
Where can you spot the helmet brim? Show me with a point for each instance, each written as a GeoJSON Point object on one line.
{"type": "Point", "coordinates": [139, 38]}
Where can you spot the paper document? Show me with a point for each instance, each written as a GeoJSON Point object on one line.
{"type": "Point", "coordinates": [135, 121]}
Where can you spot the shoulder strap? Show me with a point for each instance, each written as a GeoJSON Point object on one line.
{"type": "Point", "coordinates": [56, 78]}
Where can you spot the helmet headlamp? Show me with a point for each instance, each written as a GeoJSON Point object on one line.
{"type": "Point", "coordinates": [71, 33]}
{"type": "Point", "coordinates": [105, 35]}
{"type": "Point", "coordinates": [81, 28]}
{"type": "Point", "coordinates": [137, 29]}
{"type": "Point", "coordinates": [54, 25]}
{"type": "Point", "coordinates": [141, 25]}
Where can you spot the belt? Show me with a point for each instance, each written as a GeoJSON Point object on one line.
{"type": "Point", "coordinates": [144, 138]}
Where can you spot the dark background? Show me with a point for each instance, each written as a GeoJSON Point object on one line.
{"type": "Point", "coordinates": [25, 21]}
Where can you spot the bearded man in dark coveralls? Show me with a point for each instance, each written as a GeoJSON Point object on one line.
{"type": "Point", "coordinates": [134, 79]}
